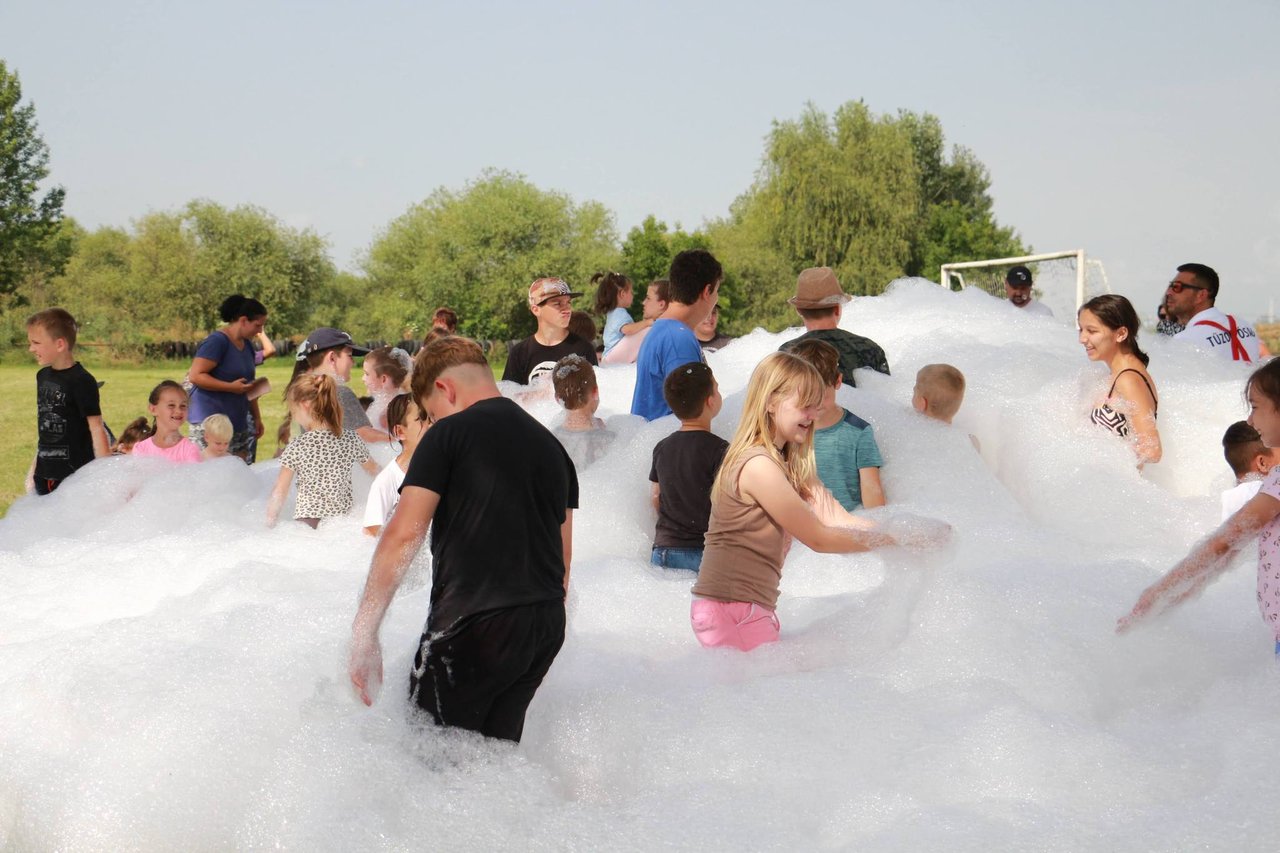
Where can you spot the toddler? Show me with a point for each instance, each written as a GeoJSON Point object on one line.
{"type": "Point", "coordinates": [1250, 461]}
{"type": "Point", "coordinates": [938, 393]}
{"type": "Point", "coordinates": [614, 296]}
{"type": "Point", "coordinates": [218, 432]}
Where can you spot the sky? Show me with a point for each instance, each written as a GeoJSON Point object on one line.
{"type": "Point", "coordinates": [1141, 132]}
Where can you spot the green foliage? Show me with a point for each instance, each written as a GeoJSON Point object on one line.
{"type": "Point", "coordinates": [478, 250]}
{"type": "Point", "coordinates": [29, 223]}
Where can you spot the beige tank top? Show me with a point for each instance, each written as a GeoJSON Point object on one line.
{"type": "Point", "coordinates": [744, 550]}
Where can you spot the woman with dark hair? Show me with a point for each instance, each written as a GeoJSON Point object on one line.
{"type": "Point", "coordinates": [1109, 333]}
{"type": "Point", "coordinates": [222, 374]}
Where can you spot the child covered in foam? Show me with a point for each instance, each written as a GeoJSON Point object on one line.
{"type": "Point", "coordinates": [583, 435]}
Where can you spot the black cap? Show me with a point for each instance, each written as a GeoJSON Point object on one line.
{"type": "Point", "coordinates": [327, 338]}
{"type": "Point", "coordinates": [1019, 276]}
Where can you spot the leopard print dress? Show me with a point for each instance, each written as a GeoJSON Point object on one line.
{"type": "Point", "coordinates": [321, 462]}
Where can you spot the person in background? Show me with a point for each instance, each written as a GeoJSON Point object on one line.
{"type": "Point", "coordinates": [168, 406]}
{"type": "Point", "coordinates": [708, 338]}
{"type": "Point", "coordinates": [657, 297]}
{"type": "Point", "coordinates": [695, 278]}
{"type": "Point", "coordinates": [385, 374]}
{"type": "Point", "coordinates": [446, 320]}
{"type": "Point", "coordinates": [820, 301]}
{"type": "Point", "coordinates": [332, 352]}
{"type": "Point", "coordinates": [222, 375]}
{"type": "Point", "coordinates": [1250, 460]}
{"type": "Point", "coordinates": [1109, 334]}
{"type": "Point", "coordinates": [581, 325]}
{"type": "Point", "coordinates": [532, 359]}
{"type": "Point", "coordinates": [1165, 322]}
{"type": "Point", "coordinates": [217, 437]}
{"type": "Point", "coordinates": [136, 431]}
{"type": "Point", "coordinates": [1017, 289]}
{"type": "Point", "coordinates": [614, 295]}
{"type": "Point", "coordinates": [1191, 298]}
{"type": "Point", "coordinates": [407, 426]}
{"type": "Point", "coordinates": [583, 435]}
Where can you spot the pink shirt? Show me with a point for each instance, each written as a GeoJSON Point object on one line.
{"type": "Point", "coordinates": [184, 451]}
{"type": "Point", "coordinates": [1269, 560]}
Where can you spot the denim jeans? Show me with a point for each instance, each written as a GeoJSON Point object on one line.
{"type": "Point", "coordinates": [677, 558]}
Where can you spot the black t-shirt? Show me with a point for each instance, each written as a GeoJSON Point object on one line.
{"type": "Point", "coordinates": [65, 400]}
{"type": "Point", "coordinates": [504, 483]}
{"type": "Point", "coordinates": [684, 467]}
{"type": "Point", "coordinates": [529, 360]}
{"type": "Point", "coordinates": [855, 351]}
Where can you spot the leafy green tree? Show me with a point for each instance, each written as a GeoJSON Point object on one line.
{"type": "Point", "coordinates": [29, 222]}
{"type": "Point", "coordinates": [478, 249]}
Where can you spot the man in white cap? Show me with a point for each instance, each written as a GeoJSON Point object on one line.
{"type": "Point", "coordinates": [820, 300]}
{"type": "Point", "coordinates": [550, 300]}
{"type": "Point", "coordinates": [1017, 287]}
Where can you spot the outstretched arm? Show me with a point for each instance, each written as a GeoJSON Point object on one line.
{"type": "Point", "coordinates": [278, 493]}
{"type": "Point", "coordinates": [762, 481]}
{"type": "Point", "coordinates": [401, 539]}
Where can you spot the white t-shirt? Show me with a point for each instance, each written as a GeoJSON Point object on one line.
{"type": "Point", "coordinates": [384, 494]}
{"type": "Point", "coordinates": [1218, 340]}
{"type": "Point", "coordinates": [1035, 306]}
{"type": "Point", "coordinates": [1239, 495]}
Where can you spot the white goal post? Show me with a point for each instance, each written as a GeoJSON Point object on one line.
{"type": "Point", "coordinates": [1082, 266]}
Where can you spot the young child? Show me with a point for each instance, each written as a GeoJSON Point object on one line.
{"type": "Point", "coordinates": [1250, 461]}
{"type": "Point", "coordinates": [321, 457]}
{"type": "Point", "coordinates": [939, 391]}
{"type": "Point", "coordinates": [218, 432]}
{"type": "Point", "coordinates": [684, 466]}
{"type": "Point", "coordinates": [844, 446]}
{"type": "Point", "coordinates": [68, 411]}
{"type": "Point", "coordinates": [386, 374]}
{"type": "Point", "coordinates": [657, 296]}
{"type": "Point", "coordinates": [581, 324]}
{"type": "Point", "coordinates": [168, 407]}
{"type": "Point", "coordinates": [1261, 515]}
{"type": "Point", "coordinates": [407, 428]}
{"type": "Point", "coordinates": [332, 352]}
{"type": "Point", "coordinates": [136, 431]}
{"type": "Point", "coordinates": [614, 296]}
{"type": "Point", "coordinates": [768, 491]}
{"type": "Point", "coordinates": [583, 435]}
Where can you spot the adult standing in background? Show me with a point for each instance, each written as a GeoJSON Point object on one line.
{"type": "Point", "coordinates": [222, 374]}
{"type": "Point", "coordinates": [1017, 288]}
{"type": "Point", "coordinates": [706, 332]}
{"type": "Point", "coordinates": [1190, 297]}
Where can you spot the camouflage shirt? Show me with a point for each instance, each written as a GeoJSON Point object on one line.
{"type": "Point", "coordinates": [855, 351]}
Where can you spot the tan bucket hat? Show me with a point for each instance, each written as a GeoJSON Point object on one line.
{"type": "Point", "coordinates": [817, 287]}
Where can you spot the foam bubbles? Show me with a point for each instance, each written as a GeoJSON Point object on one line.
{"type": "Point", "coordinates": [172, 672]}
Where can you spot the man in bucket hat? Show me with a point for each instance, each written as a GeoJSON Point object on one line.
{"type": "Point", "coordinates": [820, 301]}
{"type": "Point", "coordinates": [550, 300]}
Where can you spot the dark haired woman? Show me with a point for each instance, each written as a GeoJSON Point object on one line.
{"type": "Point", "coordinates": [223, 373]}
{"type": "Point", "coordinates": [1109, 333]}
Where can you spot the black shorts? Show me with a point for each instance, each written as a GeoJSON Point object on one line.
{"type": "Point", "coordinates": [481, 675]}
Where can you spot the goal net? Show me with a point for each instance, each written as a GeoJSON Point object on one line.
{"type": "Point", "coordinates": [1062, 280]}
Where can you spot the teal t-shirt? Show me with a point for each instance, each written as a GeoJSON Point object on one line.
{"type": "Point", "coordinates": [839, 451]}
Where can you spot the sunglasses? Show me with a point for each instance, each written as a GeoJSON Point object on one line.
{"type": "Point", "coordinates": [1178, 287]}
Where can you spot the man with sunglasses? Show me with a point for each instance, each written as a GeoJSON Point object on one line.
{"type": "Point", "coordinates": [1190, 299]}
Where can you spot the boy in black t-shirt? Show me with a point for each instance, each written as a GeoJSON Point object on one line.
{"type": "Point", "coordinates": [499, 492]}
{"type": "Point", "coordinates": [69, 417]}
{"type": "Point", "coordinates": [684, 467]}
{"type": "Point", "coordinates": [533, 358]}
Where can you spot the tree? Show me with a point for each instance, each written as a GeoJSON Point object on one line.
{"type": "Point", "coordinates": [478, 249]}
{"type": "Point", "coordinates": [29, 223]}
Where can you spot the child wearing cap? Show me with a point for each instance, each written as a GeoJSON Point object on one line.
{"type": "Point", "coordinates": [532, 359]}
{"type": "Point", "coordinates": [1250, 461]}
{"type": "Point", "coordinates": [583, 435]}
{"type": "Point", "coordinates": [684, 467]}
{"type": "Point", "coordinates": [332, 352]}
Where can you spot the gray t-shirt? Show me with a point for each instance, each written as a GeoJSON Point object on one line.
{"type": "Point", "coordinates": [353, 414]}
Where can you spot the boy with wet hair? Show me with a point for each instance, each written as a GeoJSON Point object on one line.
{"type": "Point", "coordinates": [939, 391]}
{"type": "Point", "coordinates": [583, 435]}
{"type": "Point", "coordinates": [1250, 461]}
{"type": "Point", "coordinates": [844, 445]}
{"type": "Point", "coordinates": [684, 467]}
{"type": "Point", "coordinates": [68, 411]}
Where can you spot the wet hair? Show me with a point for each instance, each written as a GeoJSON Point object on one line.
{"type": "Point", "coordinates": [1241, 444]}
{"type": "Point", "coordinates": [433, 335]}
{"type": "Point", "coordinates": [437, 357]}
{"type": "Point", "coordinates": [609, 286]}
{"type": "Point", "coordinates": [1266, 380]}
{"type": "Point", "coordinates": [823, 356]}
{"type": "Point", "coordinates": [319, 391]}
{"type": "Point", "coordinates": [445, 318]}
{"type": "Point", "coordinates": [778, 376]}
{"type": "Point", "coordinates": [663, 291]}
{"type": "Point", "coordinates": [154, 397]}
{"type": "Point", "coordinates": [692, 272]}
{"type": "Point", "coordinates": [687, 389]}
{"type": "Point", "coordinates": [1116, 312]}
{"type": "Point", "coordinates": [391, 361]}
{"type": "Point", "coordinates": [581, 324]}
{"type": "Point", "coordinates": [137, 430]}
{"type": "Point", "coordinates": [573, 379]}
{"type": "Point", "coordinates": [217, 426]}
{"type": "Point", "coordinates": [1204, 276]}
{"type": "Point", "coordinates": [397, 411]}
{"type": "Point", "coordinates": [942, 387]}
{"type": "Point", "coordinates": [237, 306]}
{"type": "Point", "coordinates": [57, 322]}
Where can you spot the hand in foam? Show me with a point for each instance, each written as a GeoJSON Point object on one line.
{"type": "Point", "coordinates": [365, 668]}
{"type": "Point", "coordinates": [916, 531]}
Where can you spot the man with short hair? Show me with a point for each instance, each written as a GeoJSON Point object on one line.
{"type": "Point", "coordinates": [1190, 298]}
{"type": "Point", "coordinates": [498, 492]}
{"type": "Point", "coordinates": [819, 301]}
{"type": "Point", "coordinates": [550, 301]}
{"type": "Point", "coordinates": [694, 278]}
{"type": "Point", "coordinates": [1017, 288]}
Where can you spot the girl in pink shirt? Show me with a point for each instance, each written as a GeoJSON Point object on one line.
{"type": "Point", "coordinates": [1259, 517]}
{"type": "Point", "coordinates": [168, 407]}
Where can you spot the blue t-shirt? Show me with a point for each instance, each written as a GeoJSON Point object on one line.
{"type": "Point", "coordinates": [613, 323]}
{"type": "Point", "coordinates": [229, 365]}
{"type": "Point", "coordinates": [668, 345]}
{"type": "Point", "coordinates": [840, 451]}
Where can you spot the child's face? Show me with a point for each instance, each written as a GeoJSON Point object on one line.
{"type": "Point", "coordinates": [1264, 417]}
{"type": "Point", "coordinates": [410, 430]}
{"type": "Point", "coordinates": [793, 420]}
{"type": "Point", "coordinates": [372, 381]}
{"type": "Point", "coordinates": [43, 345]}
{"type": "Point", "coordinates": [171, 410]}
{"type": "Point", "coordinates": [342, 361]}
{"type": "Point", "coordinates": [216, 447]}
{"type": "Point", "coordinates": [626, 297]}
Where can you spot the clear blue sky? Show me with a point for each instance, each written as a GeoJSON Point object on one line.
{"type": "Point", "coordinates": [1143, 132]}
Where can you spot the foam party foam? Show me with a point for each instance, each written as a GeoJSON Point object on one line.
{"type": "Point", "coordinates": [172, 673]}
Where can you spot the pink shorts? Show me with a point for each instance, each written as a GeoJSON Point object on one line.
{"type": "Point", "coordinates": [736, 624]}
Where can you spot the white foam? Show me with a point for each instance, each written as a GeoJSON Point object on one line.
{"type": "Point", "coordinates": [172, 673]}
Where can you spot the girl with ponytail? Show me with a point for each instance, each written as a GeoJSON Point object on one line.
{"type": "Point", "coordinates": [614, 296]}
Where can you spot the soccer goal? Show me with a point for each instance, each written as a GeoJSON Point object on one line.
{"type": "Point", "coordinates": [1062, 280]}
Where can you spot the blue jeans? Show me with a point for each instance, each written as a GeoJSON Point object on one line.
{"type": "Point", "coordinates": [677, 558]}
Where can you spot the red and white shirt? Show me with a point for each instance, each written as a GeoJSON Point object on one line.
{"type": "Point", "coordinates": [1228, 336]}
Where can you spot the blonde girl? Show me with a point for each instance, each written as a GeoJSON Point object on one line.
{"type": "Point", "coordinates": [768, 491]}
{"type": "Point", "coordinates": [407, 428]}
{"type": "Point", "coordinates": [321, 458]}
{"type": "Point", "coordinates": [168, 407]}
{"type": "Point", "coordinates": [614, 296]}
{"type": "Point", "coordinates": [386, 374]}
